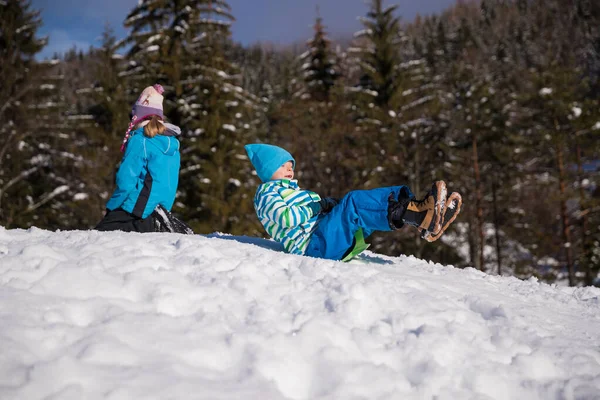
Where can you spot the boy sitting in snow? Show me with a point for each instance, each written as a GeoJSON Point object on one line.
{"type": "Point", "coordinates": [304, 223]}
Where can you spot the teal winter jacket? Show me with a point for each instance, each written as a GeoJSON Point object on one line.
{"type": "Point", "coordinates": [148, 175]}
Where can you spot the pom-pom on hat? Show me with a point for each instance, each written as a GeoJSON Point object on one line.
{"type": "Point", "coordinates": [267, 159]}
{"type": "Point", "coordinates": [148, 104]}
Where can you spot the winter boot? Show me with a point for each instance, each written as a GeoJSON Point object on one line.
{"type": "Point", "coordinates": [426, 215]}
{"type": "Point", "coordinates": [397, 208]}
{"type": "Point", "coordinates": [164, 221]}
{"type": "Point", "coordinates": [451, 210]}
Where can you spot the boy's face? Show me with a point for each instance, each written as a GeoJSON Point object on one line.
{"type": "Point", "coordinates": [286, 171]}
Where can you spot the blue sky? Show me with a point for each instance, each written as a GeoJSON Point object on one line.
{"type": "Point", "coordinates": [80, 23]}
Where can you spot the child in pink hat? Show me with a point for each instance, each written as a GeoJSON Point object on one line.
{"type": "Point", "coordinates": [148, 176]}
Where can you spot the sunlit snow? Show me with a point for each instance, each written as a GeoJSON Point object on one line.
{"type": "Point", "coordinates": [86, 314]}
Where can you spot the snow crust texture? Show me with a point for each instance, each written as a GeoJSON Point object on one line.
{"type": "Point", "coordinates": [112, 315]}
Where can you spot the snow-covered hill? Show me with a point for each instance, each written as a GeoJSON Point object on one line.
{"type": "Point", "coordinates": [92, 315]}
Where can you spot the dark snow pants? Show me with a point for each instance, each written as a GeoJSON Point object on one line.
{"type": "Point", "coordinates": [120, 220]}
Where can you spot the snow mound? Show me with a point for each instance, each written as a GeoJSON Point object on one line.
{"type": "Point", "coordinates": [113, 315]}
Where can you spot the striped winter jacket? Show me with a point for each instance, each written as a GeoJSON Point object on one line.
{"type": "Point", "coordinates": [288, 213]}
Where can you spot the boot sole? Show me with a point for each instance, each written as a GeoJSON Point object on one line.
{"type": "Point", "coordinates": [454, 201]}
{"type": "Point", "coordinates": [440, 192]}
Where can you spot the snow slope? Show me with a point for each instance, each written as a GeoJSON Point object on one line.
{"type": "Point", "coordinates": [94, 315]}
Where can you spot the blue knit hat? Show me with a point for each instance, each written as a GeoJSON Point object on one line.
{"type": "Point", "coordinates": [267, 159]}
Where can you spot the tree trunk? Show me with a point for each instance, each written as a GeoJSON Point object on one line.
{"type": "Point", "coordinates": [472, 242]}
{"type": "Point", "coordinates": [588, 280]}
{"type": "Point", "coordinates": [496, 227]}
{"type": "Point", "coordinates": [416, 189]}
{"type": "Point", "coordinates": [478, 204]}
{"type": "Point", "coordinates": [563, 214]}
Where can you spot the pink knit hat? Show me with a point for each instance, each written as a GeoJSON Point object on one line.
{"type": "Point", "coordinates": [147, 105]}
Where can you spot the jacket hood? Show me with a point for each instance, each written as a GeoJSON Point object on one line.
{"type": "Point", "coordinates": [166, 143]}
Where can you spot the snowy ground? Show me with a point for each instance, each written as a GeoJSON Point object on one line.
{"type": "Point", "coordinates": [91, 315]}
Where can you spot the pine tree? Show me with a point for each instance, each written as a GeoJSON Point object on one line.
{"type": "Point", "coordinates": [36, 154]}
{"type": "Point", "coordinates": [373, 98]}
{"type": "Point", "coordinates": [18, 42]}
{"type": "Point", "coordinates": [492, 115]}
{"type": "Point", "coordinates": [590, 255]}
{"type": "Point", "coordinates": [379, 57]}
{"type": "Point", "coordinates": [109, 102]}
{"type": "Point", "coordinates": [586, 117]}
{"type": "Point", "coordinates": [105, 101]}
{"type": "Point", "coordinates": [319, 66]}
{"type": "Point", "coordinates": [557, 109]}
{"type": "Point", "coordinates": [423, 115]}
{"type": "Point", "coordinates": [587, 19]}
{"type": "Point", "coordinates": [423, 103]}
{"type": "Point", "coordinates": [185, 44]}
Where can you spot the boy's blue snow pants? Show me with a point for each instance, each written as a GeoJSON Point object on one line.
{"type": "Point", "coordinates": [366, 209]}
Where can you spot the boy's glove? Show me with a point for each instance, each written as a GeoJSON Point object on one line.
{"type": "Point", "coordinates": [327, 204]}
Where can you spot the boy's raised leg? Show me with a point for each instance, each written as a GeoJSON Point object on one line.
{"type": "Point", "coordinates": [368, 210]}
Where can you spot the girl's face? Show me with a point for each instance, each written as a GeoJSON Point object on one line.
{"type": "Point", "coordinates": [286, 171]}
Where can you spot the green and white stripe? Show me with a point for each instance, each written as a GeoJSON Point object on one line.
{"type": "Point", "coordinates": [288, 213]}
